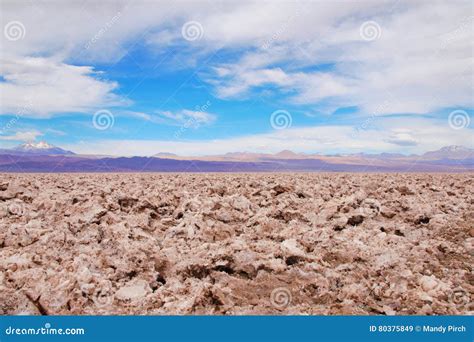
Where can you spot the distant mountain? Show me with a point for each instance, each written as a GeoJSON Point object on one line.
{"type": "Point", "coordinates": [237, 156]}
{"type": "Point", "coordinates": [165, 155]}
{"type": "Point", "coordinates": [43, 157]}
{"type": "Point", "coordinates": [383, 155]}
{"type": "Point", "coordinates": [287, 154]}
{"type": "Point", "coordinates": [450, 152]}
{"type": "Point", "coordinates": [40, 148]}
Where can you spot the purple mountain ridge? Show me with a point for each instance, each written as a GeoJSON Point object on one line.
{"type": "Point", "coordinates": [43, 157]}
{"type": "Point", "coordinates": [41, 148]}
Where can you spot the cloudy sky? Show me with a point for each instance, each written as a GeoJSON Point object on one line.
{"type": "Point", "coordinates": [210, 77]}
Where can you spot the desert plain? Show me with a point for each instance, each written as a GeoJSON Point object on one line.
{"type": "Point", "coordinates": [233, 244]}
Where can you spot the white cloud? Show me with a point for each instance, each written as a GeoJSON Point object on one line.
{"type": "Point", "coordinates": [139, 115]}
{"type": "Point", "coordinates": [322, 139]}
{"type": "Point", "coordinates": [22, 136]}
{"type": "Point", "coordinates": [41, 87]}
{"type": "Point", "coordinates": [402, 138]}
{"type": "Point", "coordinates": [422, 61]}
{"type": "Point", "coordinates": [189, 117]}
{"type": "Point", "coordinates": [55, 132]}
{"type": "Point", "coordinates": [185, 117]}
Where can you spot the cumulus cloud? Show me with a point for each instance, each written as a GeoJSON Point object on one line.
{"type": "Point", "coordinates": [421, 55]}
{"type": "Point", "coordinates": [42, 87]}
{"type": "Point", "coordinates": [419, 61]}
{"type": "Point", "coordinates": [310, 53]}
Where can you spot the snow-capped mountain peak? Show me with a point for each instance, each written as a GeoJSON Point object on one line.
{"type": "Point", "coordinates": [41, 147]}
{"type": "Point", "coordinates": [33, 146]}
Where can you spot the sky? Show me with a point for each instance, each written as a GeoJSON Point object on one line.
{"type": "Point", "coordinates": [212, 77]}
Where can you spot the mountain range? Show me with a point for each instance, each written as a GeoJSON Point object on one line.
{"type": "Point", "coordinates": [41, 148]}
{"type": "Point", "coordinates": [44, 157]}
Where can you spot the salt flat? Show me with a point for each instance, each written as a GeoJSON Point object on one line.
{"type": "Point", "coordinates": [259, 243]}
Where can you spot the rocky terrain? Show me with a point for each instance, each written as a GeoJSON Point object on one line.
{"type": "Point", "coordinates": [236, 244]}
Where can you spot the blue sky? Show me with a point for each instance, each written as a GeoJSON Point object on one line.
{"type": "Point", "coordinates": [138, 78]}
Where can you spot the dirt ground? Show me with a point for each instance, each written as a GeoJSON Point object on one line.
{"type": "Point", "coordinates": [323, 244]}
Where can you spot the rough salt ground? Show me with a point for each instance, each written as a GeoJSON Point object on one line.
{"type": "Point", "coordinates": [236, 244]}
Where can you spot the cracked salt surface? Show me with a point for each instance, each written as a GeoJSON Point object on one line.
{"type": "Point", "coordinates": [236, 243]}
